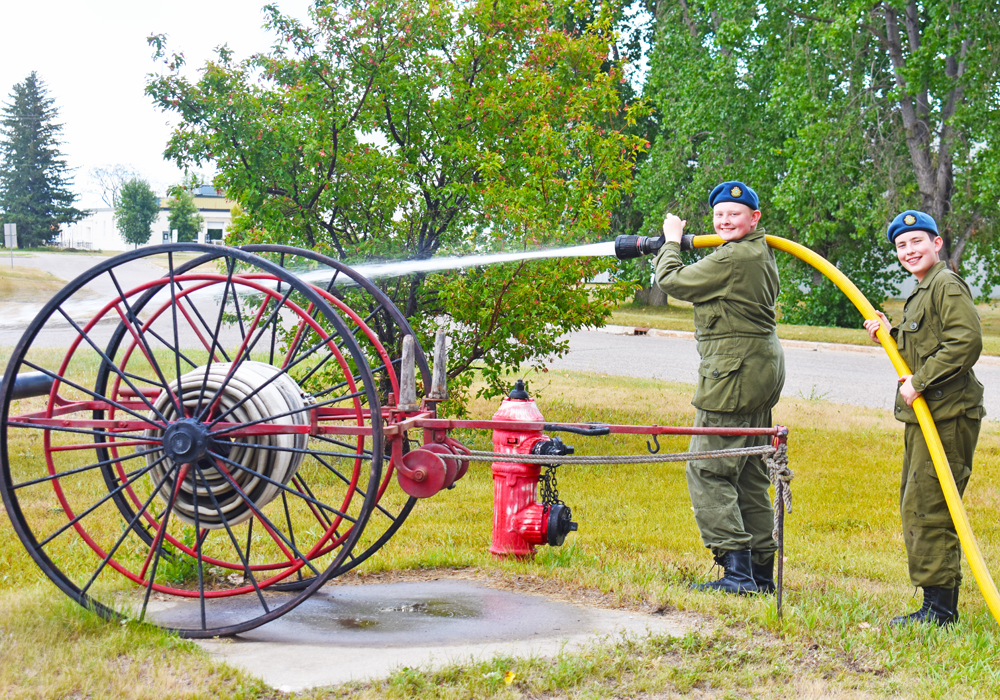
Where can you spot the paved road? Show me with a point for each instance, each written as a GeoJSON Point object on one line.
{"type": "Point", "coordinates": [842, 373]}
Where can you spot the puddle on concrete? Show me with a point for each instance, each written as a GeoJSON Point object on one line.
{"type": "Point", "coordinates": [396, 614]}
{"type": "Point", "coordinates": [384, 616]}
{"type": "Point", "coordinates": [355, 623]}
{"type": "Point", "coordinates": [436, 608]}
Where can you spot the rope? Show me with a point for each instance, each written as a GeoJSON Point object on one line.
{"type": "Point", "coordinates": [781, 476]}
{"type": "Point", "coordinates": [478, 456]}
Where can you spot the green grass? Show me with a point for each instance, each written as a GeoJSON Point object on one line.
{"type": "Point", "coordinates": [679, 316]}
{"type": "Point", "coordinates": [637, 548]}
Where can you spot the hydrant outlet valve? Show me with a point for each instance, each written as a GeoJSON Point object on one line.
{"type": "Point", "coordinates": [551, 446]}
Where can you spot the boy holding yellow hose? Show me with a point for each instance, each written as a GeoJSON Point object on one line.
{"type": "Point", "coordinates": [940, 338]}
{"type": "Point", "coordinates": [742, 371]}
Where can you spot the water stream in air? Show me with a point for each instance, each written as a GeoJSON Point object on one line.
{"type": "Point", "coordinates": [409, 267]}
{"type": "Point", "coordinates": [81, 309]}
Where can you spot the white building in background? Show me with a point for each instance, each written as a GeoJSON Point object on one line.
{"type": "Point", "coordinates": [98, 231]}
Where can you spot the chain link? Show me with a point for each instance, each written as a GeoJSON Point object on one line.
{"type": "Point", "coordinates": [548, 486]}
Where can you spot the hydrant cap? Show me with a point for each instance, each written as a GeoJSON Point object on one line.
{"type": "Point", "coordinates": [518, 391]}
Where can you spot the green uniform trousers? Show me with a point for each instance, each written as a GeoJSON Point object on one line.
{"type": "Point", "coordinates": [932, 546]}
{"type": "Point", "coordinates": [730, 495]}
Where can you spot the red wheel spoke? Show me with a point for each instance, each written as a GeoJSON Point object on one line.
{"type": "Point", "coordinates": [320, 517]}
{"type": "Point", "coordinates": [283, 487]}
{"type": "Point", "coordinates": [162, 526]}
{"type": "Point", "coordinates": [126, 532]}
{"type": "Point", "coordinates": [120, 373]}
{"type": "Point", "coordinates": [248, 572]}
{"type": "Point", "coordinates": [137, 334]}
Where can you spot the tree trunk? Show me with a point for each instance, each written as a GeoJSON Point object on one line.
{"type": "Point", "coordinates": [653, 296]}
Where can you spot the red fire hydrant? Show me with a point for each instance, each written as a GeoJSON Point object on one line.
{"type": "Point", "coordinates": [519, 521]}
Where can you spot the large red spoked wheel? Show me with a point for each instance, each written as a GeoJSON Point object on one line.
{"type": "Point", "coordinates": [211, 449]}
{"type": "Point", "coordinates": [378, 327]}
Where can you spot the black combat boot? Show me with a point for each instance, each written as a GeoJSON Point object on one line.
{"type": "Point", "coordinates": [737, 574]}
{"type": "Point", "coordinates": [940, 608]}
{"type": "Point", "coordinates": [763, 575]}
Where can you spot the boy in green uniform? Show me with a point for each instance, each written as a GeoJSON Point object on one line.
{"type": "Point", "coordinates": [742, 371]}
{"type": "Point", "coordinates": [940, 338]}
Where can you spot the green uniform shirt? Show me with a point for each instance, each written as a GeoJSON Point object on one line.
{"type": "Point", "coordinates": [940, 338]}
{"type": "Point", "coordinates": [734, 290]}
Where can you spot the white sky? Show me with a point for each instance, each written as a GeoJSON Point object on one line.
{"type": "Point", "coordinates": [93, 58]}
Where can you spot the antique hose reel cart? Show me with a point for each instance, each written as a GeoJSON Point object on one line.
{"type": "Point", "coordinates": [202, 445]}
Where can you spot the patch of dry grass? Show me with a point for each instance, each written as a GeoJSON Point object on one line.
{"type": "Point", "coordinates": [52, 648]}
{"type": "Point", "coordinates": [27, 285]}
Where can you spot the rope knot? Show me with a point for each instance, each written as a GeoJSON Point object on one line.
{"type": "Point", "coordinates": [781, 476]}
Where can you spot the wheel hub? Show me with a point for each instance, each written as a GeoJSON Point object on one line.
{"type": "Point", "coordinates": [185, 441]}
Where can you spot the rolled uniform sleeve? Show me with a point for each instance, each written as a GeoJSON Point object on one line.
{"type": "Point", "coordinates": [709, 278]}
{"type": "Point", "coordinates": [961, 339]}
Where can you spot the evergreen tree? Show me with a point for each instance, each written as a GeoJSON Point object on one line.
{"type": "Point", "coordinates": [137, 209]}
{"type": "Point", "coordinates": [34, 186]}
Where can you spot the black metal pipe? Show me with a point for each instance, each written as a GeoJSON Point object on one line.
{"type": "Point", "coordinates": [28, 384]}
{"type": "Point", "coordinates": [627, 247]}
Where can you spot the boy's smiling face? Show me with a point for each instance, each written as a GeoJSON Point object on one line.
{"type": "Point", "coordinates": [918, 251]}
{"type": "Point", "coordinates": [732, 220]}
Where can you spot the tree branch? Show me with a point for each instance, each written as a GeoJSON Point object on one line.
{"type": "Point", "coordinates": [802, 15]}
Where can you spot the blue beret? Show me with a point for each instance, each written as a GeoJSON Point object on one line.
{"type": "Point", "coordinates": [733, 191]}
{"type": "Point", "coordinates": [911, 220]}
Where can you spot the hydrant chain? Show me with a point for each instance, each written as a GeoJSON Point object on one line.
{"type": "Point", "coordinates": [480, 456]}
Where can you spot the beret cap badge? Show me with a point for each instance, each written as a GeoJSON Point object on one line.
{"type": "Point", "coordinates": [736, 191]}
{"type": "Point", "coordinates": [910, 219]}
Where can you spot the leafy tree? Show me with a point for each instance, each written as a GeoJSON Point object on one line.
{"type": "Point", "coordinates": [408, 129]}
{"type": "Point", "coordinates": [184, 217]}
{"type": "Point", "coordinates": [33, 179]}
{"type": "Point", "coordinates": [137, 209]}
{"type": "Point", "coordinates": [110, 180]}
{"type": "Point", "coordinates": [841, 114]}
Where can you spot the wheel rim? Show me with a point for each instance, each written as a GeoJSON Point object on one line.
{"type": "Point", "coordinates": [187, 499]}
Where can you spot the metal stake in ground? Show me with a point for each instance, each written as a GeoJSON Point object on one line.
{"type": "Point", "coordinates": [781, 543]}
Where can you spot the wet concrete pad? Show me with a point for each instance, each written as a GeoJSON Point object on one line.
{"type": "Point", "coordinates": [362, 632]}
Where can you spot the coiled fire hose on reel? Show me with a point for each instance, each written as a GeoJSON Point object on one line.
{"type": "Point", "coordinates": [958, 515]}
{"type": "Point", "coordinates": [249, 394]}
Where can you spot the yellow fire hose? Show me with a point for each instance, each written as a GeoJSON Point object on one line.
{"type": "Point", "coordinates": [951, 497]}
